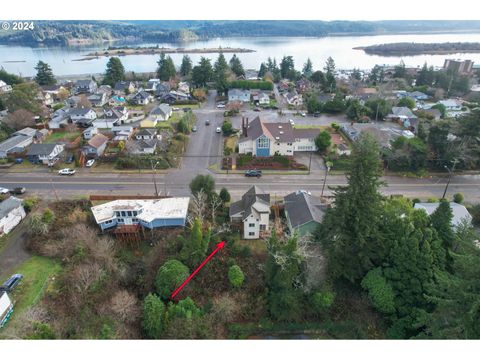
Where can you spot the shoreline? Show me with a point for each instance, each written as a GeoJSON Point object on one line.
{"type": "Point", "coordinates": [127, 51]}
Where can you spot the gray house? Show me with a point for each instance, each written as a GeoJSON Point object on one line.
{"type": "Point", "coordinates": [161, 112]}
{"type": "Point", "coordinates": [44, 153]}
{"type": "Point", "coordinates": [239, 95]}
{"type": "Point", "coordinates": [85, 87]}
{"type": "Point", "coordinates": [303, 212]}
{"type": "Point", "coordinates": [15, 144]}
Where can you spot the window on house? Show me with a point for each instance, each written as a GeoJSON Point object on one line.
{"type": "Point", "coordinates": [117, 213]}
{"type": "Point", "coordinates": [120, 220]}
{"type": "Point", "coordinates": [263, 143]}
{"type": "Point", "coordinates": [251, 234]}
{"type": "Point", "coordinates": [135, 213]}
{"type": "Point", "coordinates": [251, 225]}
{"type": "Point", "coordinates": [123, 213]}
{"type": "Point", "coordinates": [263, 227]}
{"type": "Point", "coordinates": [129, 213]}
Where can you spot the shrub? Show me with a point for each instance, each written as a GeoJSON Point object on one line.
{"type": "Point", "coordinates": [30, 203]}
{"type": "Point", "coordinates": [458, 198]}
{"type": "Point", "coordinates": [48, 216]}
{"type": "Point", "coordinates": [236, 276]}
{"type": "Point", "coordinates": [169, 276]}
{"type": "Point", "coordinates": [321, 301]}
{"type": "Point", "coordinates": [379, 291]}
{"type": "Point", "coordinates": [153, 314]}
{"type": "Point", "coordinates": [224, 195]}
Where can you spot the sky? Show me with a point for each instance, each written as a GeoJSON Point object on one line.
{"type": "Point", "coordinates": [245, 9]}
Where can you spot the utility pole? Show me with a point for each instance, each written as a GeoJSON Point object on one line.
{"type": "Point", "coordinates": [154, 170]}
{"type": "Point", "coordinates": [328, 165]}
{"type": "Point", "coordinates": [310, 163]}
{"type": "Point", "coordinates": [450, 174]}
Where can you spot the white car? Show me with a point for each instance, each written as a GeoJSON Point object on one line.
{"type": "Point", "coordinates": [66, 171]}
{"type": "Point", "coordinates": [303, 114]}
{"type": "Point", "coordinates": [292, 122]}
{"type": "Point", "coordinates": [90, 162]}
{"type": "Point", "coordinates": [220, 106]}
{"type": "Point", "coordinates": [4, 191]}
{"type": "Point", "coordinates": [218, 130]}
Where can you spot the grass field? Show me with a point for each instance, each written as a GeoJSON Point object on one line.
{"type": "Point", "coordinates": [62, 135]}
{"type": "Point", "coordinates": [37, 272]}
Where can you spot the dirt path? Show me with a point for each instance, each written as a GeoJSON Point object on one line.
{"type": "Point", "coordinates": [14, 253]}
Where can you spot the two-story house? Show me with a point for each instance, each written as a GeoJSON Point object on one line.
{"type": "Point", "coordinates": [95, 146]}
{"type": "Point", "coordinates": [83, 117]}
{"type": "Point", "coordinates": [142, 98]}
{"type": "Point", "coordinates": [239, 95]}
{"type": "Point", "coordinates": [44, 153]}
{"type": "Point", "coordinates": [253, 211]}
{"type": "Point", "coordinates": [85, 87]}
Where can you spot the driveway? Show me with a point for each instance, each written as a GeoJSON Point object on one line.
{"type": "Point", "coordinates": [14, 253]}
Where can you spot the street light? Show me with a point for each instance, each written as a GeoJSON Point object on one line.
{"type": "Point", "coordinates": [450, 174]}
{"type": "Point", "coordinates": [328, 166]}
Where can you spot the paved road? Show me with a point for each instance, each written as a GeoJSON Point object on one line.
{"type": "Point", "coordinates": [177, 184]}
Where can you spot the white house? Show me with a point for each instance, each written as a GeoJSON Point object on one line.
{"type": "Point", "coordinates": [82, 114]}
{"type": "Point", "coordinates": [460, 212]}
{"type": "Point", "coordinates": [451, 104]}
{"type": "Point", "coordinates": [294, 99]}
{"type": "Point", "coordinates": [44, 153]}
{"type": "Point", "coordinates": [150, 214]}
{"type": "Point", "coordinates": [267, 139]}
{"type": "Point", "coordinates": [239, 95]}
{"type": "Point", "coordinates": [119, 113]}
{"type": "Point", "coordinates": [6, 308]}
{"type": "Point", "coordinates": [11, 213]}
{"type": "Point", "coordinates": [4, 87]}
{"type": "Point", "coordinates": [142, 98]}
{"type": "Point", "coordinates": [90, 132]}
{"type": "Point", "coordinates": [161, 112]}
{"type": "Point", "coordinates": [253, 211]}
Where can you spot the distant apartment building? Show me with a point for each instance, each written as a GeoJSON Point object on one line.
{"type": "Point", "coordinates": [463, 67]}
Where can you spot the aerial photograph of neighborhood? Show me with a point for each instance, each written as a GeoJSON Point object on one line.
{"type": "Point", "coordinates": [239, 179]}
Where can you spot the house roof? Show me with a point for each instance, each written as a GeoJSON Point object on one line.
{"type": "Point", "coordinates": [403, 111]}
{"type": "Point", "coordinates": [115, 112]}
{"type": "Point", "coordinates": [28, 131]}
{"type": "Point", "coordinates": [79, 111]}
{"type": "Point", "coordinates": [97, 141]}
{"type": "Point", "coordinates": [146, 132]}
{"type": "Point", "coordinates": [278, 131]}
{"type": "Point", "coordinates": [9, 204]}
{"type": "Point", "coordinates": [168, 208]}
{"type": "Point", "coordinates": [301, 208]}
{"type": "Point", "coordinates": [162, 109]}
{"type": "Point", "coordinates": [238, 92]}
{"type": "Point", "coordinates": [41, 149]}
{"type": "Point", "coordinates": [460, 212]}
{"type": "Point", "coordinates": [254, 199]}
{"type": "Point", "coordinates": [121, 85]}
{"type": "Point", "coordinates": [142, 94]}
{"type": "Point", "coordinates": [306, 133]}
{"type": "Point", "coordinates": [450, 103]}
{"type": "Point", "coordinates": [83, 83]}
{"type": "Point", "coordinates": [15, 141]}
{"type": "Point", "coordinates": [142, 145]}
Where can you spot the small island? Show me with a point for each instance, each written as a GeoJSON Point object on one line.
{"type": "Point", "coordinates": [124, 51]}
{"type": "Point", "coordinates": [406, 49]}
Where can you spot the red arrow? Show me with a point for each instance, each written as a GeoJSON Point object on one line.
{"type": "Point", "coordinates": [219, 246]}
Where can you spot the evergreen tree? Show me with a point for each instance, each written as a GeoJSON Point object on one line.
{"type": "Point", "coordinates": [350, 230]}
{"type": "Point", "coordinates": [166, 68]}
{"type": "Point", "coordinates": [236, 66]}
{"type": "Point", "coordinates": [262, 71]}
{"type": "Point", "coordinates": [186, 66]}
{"type": "Point", "coordinates": [115, 72]}
{"type": "Point", "coordinates": [307, 70]}
{"type": "Point", "coordinates": [330, 82]}
{"type": "Point", "coordinates": [202, 73]}
{"type": "Point", "coordinates": [283, 275]}
{"type": "Point", "coordinates": [153, 316]}
{"type": "Point", "coordinates": [44, 74]}
{"type": "Point", "coordinates": [195, 248]}
{"type": "Point", "coordinates": [170, 276]}
{"type": "Point", "coordinates": [220, 70]}
{"type": "Point", "coordinates": [287, 68]}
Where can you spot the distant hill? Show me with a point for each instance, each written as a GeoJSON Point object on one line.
{"type": "Point", "coordinates": [87, 32]}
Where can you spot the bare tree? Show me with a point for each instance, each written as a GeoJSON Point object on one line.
{"type": "Point", "coordinates": [198, 207]}
{"type": "Point", "coordinates": [215, 204]}
{"type": "Point", "coordinates": [124, 305]}
{"type": "Point", "coordinates": [83, 102]}
{"type": "Point", "coordinates": [20, 119]}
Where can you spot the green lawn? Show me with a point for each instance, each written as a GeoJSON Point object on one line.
{"type": "Point", "coordinates": [62, 135]}
{"type": "Point", "coordinates": [37, 273]}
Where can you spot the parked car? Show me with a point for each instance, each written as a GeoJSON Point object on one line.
{"type": "Point", "coordinates": [69, 159]}
{"type": "Point", "coordinates": [207, 122]}
{"type": "Point", "coordinates": [303, 114]}
{"type": "Point", "coordinates": [90, 163]}
{"type": "Point", "coordinates": [11, 283]}
{"type": "Point", "coordinates": [18, 191]}
{"type": "Point", "coordinates": [257, 109]}
{"type": "Point", "coordinates": [291, 122]}
{"type": "Point", "coordinates": [4, 190]}
{"type": "Point", "coordinates": [253, 173]}
{"type": "Point", "coordinates": [316, 114]}
{"type": "Point", "coordinates": [218, 130]}
{"type": "Point", "coordinates": [194, 128]}
{"type": "Point", "coordinates": [175, 108]}
{"type": "Point", "coordinates": [220, 106]}
{"type": "Point", "coordinates": [18, 161]}
{"type": "Point", "coordinates": [187, 109]}
{"type": "Point", "coordinates": [66, 171]}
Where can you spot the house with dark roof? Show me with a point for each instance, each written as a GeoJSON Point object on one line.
{"type": "Point", "coordinates": [253, 211]}
{"type": "Point", "coordinates": [238, 95]}
{"type": "Point", "coordinates": [142, 98]}
{"type": "Point", "coordinates": [95, 146]}
{"type": "Point", "coordinates": [11, 213]}
{"type": "Point", "coordinates": [85, 86]}
{"type": "Point", "coordinates": [139, 147]}
{"type": "Point", "coordinates": [117, 113]}
{"type": "Point", "coordinates": [82, 117]}
{"type": "Point", "coordinates": [122, 87]}
{"type": "Point", "coordinates": [261, 138]}
{"type": "Point", "coordinates": [303, 212]}
{"type": "Point", "coordinates": [14, 144]}
{"type": "Point", "coordinates": [161, 112]}
{"type": "Point", "coordinates": [98, 99]}
{"type": "Point", "coordinates": [146, 134]}
{"type": "Point", "coordinates": [44, 153]}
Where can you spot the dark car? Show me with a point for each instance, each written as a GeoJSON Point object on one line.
{"type": "Point", "coordinates": [187, 109]}
{"type": "Point", "coordinates": [316, 114]}
{"type": "Point", "coordinates": [18, 191]}
{"type": "Point", "coordinates": [257, 109]}
{"type": "Point", "coordinates": [207, 122]}
{"type": "Point", "coordinates": [11, 283]}
{"type": "Point", "coordinates": [69, 159]}
{"type": "Point", "coordinates": [253, 173]}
